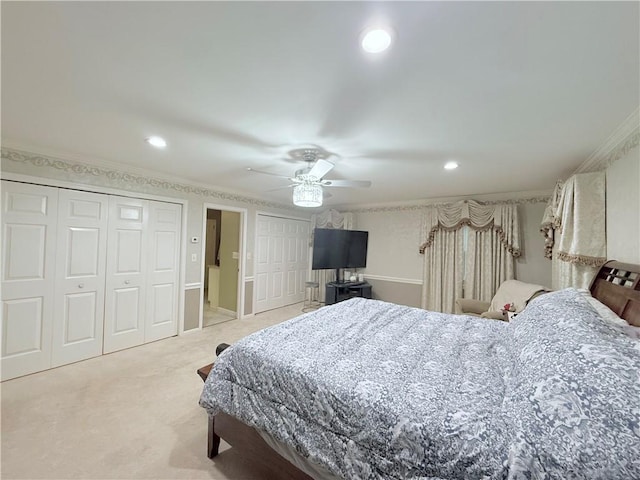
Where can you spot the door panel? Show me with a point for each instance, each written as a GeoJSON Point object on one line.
{"type": "Point", "coordinates": [22, 332]}
{"type": "Point", "coordinates": [126, 281]}
{"type": "Point", "coordinates": [162, 304]}
{"type": "Point", "coordinates": [126, 305]}
{"type": "Point", "coordinates": [29, 222]}
{"type": "Point", "coordinates": [20, 239]}
{"type": "Point", "coordinates": [165, 223]}
{"type": "Point", "coordinates": [80, 276]}
{"type": "Point", "coordinates": [80, 317]}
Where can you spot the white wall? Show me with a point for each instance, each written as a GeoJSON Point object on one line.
{"type": "Point", "coordinates": [623, 208]}
{"type": "Point", "coordinates": [532, 266]}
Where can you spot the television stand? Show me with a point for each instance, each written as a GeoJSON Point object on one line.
{"type": "Point", "coordinates": [339, 291]}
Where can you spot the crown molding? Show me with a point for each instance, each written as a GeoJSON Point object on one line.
{"type": "Point", "coordinates": [624, 139]}
{"type": "Point", "coordinates": [121, 178]}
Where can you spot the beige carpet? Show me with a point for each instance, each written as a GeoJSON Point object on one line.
{"type": "Point", "coordinates": [131, 414]}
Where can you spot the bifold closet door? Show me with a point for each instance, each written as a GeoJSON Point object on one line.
{"type": "Point", "coordinates": [282, 246]}
{"type": "Point", "coordinates": [126, 282]}
{"type": "Point", "coordinates": [29, 221]}
{"type": "Point", "coordinates": [80, 276]}
{"type": "Point", "coordinates": [297, 260]}
{"type": "Point", "coordinates": [162, 270]}
{"type": "Point", "coordinates": [269, 263]}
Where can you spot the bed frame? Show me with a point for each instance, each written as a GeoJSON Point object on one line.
{"type": "Point", "coordinates": [616, 284]}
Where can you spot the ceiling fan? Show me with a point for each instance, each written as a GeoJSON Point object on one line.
{"type": "Point", "coordinates": [307, 182]}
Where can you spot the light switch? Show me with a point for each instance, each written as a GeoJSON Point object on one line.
{"type": "Point", "coordinates": [235, 255]}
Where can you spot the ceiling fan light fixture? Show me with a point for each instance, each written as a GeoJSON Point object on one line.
{"type": "Point", "coordinates": [307, 195]}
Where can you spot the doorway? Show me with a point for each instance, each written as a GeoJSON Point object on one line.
{"type": "Point", "coordinates": [222, 242]}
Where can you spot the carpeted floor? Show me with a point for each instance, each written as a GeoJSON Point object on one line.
{"type": "Point", "coordinates": [127, 415]}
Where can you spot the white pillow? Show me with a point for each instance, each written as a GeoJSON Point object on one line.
{"type": "Point", "coordinates": [605, 312]}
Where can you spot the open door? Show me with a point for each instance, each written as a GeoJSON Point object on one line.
{"type": "Point", "coordinates": [222, 266]}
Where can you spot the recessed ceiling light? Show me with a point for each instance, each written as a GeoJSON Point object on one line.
{"type": "Point", "coordinates": [157, 142]}
{"type": "Point", "coordinates": [451, 165]}
{"type": "Point", "coordinates": [376, 40]}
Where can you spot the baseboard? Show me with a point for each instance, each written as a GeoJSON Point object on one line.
{"type": "Point", "coordinates": [227, 312]}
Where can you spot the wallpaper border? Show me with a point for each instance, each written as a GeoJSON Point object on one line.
{"type": "Point", "coordinates": [402, 208]}
{"type": "Point", "coordinates": [122, 178]}
{"type": "Point", "coordinates": [624, 139]}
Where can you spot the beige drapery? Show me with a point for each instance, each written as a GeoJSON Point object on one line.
{"type": "Point", "coordinates": [328, 219]}
{"type": "Point", "coordinates": [493, 243]}
{"type": "Point", "coordinates": [443, 271]}
{"type": "Point", "coordinates": [488, 264]}
{"type": "Point", "coordinates": [574, 227]}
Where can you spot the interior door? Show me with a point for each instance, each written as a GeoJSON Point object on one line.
{"type": "Point", "coordinates": [261, 267]}
{"type": "Point", "coordinates": [80, 276]}
{"type": "Point", "coordinates": [162, 272]}
{"type": "Point", "coordinates": [276, 268]}
{"type": "Point", "coordinates": [29, 220]}
{"type": "Point", "coordinates": [126, 283]}
{"type": "Point", "coordinates": [282, 246]}
{"type": "Point", "coordinates": [296, 265]}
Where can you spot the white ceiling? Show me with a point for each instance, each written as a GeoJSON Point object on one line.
{"type": "Point", "coordinates": [518, 93]}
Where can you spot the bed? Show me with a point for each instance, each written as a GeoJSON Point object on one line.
{"type": "Point", "coordinates": [368, 389]}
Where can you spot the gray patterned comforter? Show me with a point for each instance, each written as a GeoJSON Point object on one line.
{"type": "Point", "coordinates": [373, 390]}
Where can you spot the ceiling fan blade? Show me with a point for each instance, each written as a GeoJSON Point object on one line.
{"type": "Point", "coordinates": [280, 188]}
{"type": "Point", "coordinates": [249, 169]}
{"type": "Point", "coordinates": [320, 168]}
{"type": "Point", "coordinates": [347, 183]}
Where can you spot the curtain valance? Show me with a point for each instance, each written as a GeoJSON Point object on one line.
{"type": "Point", "coordinates": [503, 218]}
{"type": "Point", "coordinates": [332, 219]}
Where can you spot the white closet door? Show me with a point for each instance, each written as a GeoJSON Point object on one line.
{"type": "Point", "coordinates": [262, 264]}
{"type": "Point", "coordinates": [162, 270]}
{"type": "Point", "coordinates": [281, 261]}
{"type": "Point", "coordinates": [80, 276]}
{"type": "Point", "coordinates": [296, 265]}
{"type": "Point", "coordinates": [29, 219]}
{"type": "Point", "coordinates": [276, 276]}
{"type": "Point", "coordinates": [124, 321]}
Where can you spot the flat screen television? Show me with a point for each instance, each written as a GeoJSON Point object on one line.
{"type": "Point", "coordinates": [336, 249]}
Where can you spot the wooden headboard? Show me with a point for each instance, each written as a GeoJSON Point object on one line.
{"type": "Point", "coordinates": [617, 285]}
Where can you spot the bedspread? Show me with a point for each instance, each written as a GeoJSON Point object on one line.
{"type": "Point", "coordinates": [373, 390]}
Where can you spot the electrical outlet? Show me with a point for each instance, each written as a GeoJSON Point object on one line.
{"type": "Point", "coordinates": [194, 257]}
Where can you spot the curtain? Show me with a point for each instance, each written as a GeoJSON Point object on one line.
{"type": "Point", "coordinates": [574, 227]}
{"type": "Point", "coordinates": [488, 264]}
{"type": "Point", "coordinates": [443, 271]}
{"type": "Point", "coordinates": [488, 259]}
{"type": "Point", "coordinates": [327, 219]}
